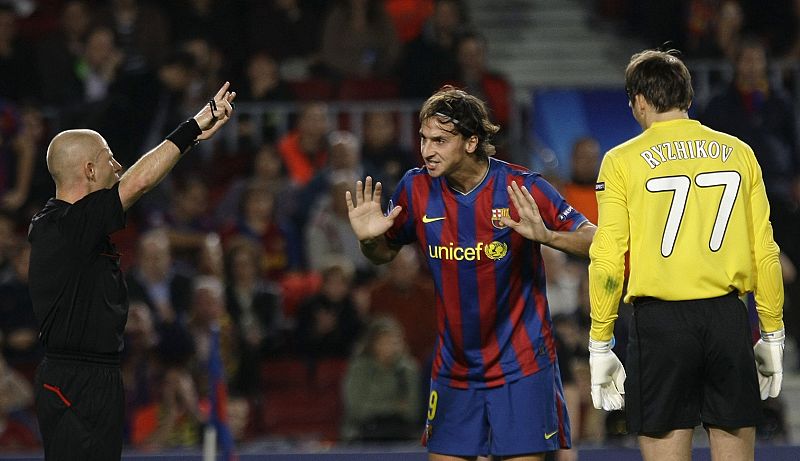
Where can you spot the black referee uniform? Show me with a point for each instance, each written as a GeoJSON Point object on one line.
{"type": "Point", "coordinates": [81, 303]}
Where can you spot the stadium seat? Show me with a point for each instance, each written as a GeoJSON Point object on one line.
{"type": "Point", "coordinates": [368, 89]}
{"type": "Point", "coordinates": [304, 402]}
{"type": "Point", "coordinates": [315, 89]}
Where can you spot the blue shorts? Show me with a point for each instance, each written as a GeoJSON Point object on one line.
{"type": "Point", "coordinates": [523, 417]}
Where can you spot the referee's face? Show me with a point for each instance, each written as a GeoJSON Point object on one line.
{"type": "Point", "coordinates": [107, 169]}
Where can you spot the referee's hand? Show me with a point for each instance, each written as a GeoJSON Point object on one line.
{"type": "Point", "coordinates": [608, 376]}
{"type": "Point", "coordinates": [769, 363]}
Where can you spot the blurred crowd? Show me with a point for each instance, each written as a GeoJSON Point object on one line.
{"type": "Point", "coordinates": [251, 241]}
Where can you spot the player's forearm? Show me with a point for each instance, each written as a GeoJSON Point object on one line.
{"type": "Point", "coordinates": [378, 250]}
{"type": "Point", "coordinates": [606, 277]}
{"type": "Point", "coordinates": [769, 289]}
{"type": "Point", "coordinates": [575, 242]}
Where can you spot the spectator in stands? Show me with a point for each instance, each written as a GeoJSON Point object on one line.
{"type": "Point", "coordinates": [157, 282]}
{"type": "Point", "coordinates": [18, 326]}
{"type": "Point", "coordinates": [572, 333]}
{"type": "Point", "coordinates": [344, 162]}
{"type": "Point", "coordinates": [17, 67]}
{"type": "Point", "coordinates": [429, 60]}
{"type": "Point", "coordinates": [304, 150]}
{"type": "Point", "coordinates": [563, 276]}
{"type": "Point", "coordinates": [174, 419]}
{"type": "Point", "coordinates": [380, 387]}
{"type": "Point", "coordinates": [762, 115]}
{"type": "Point", "coordinates": [257, 222]}
{"type": "Point", "coordinates": [18, 147]}
{"type": "Point", "coordinates": [328, 233]}
{"type": "Point", "coordinates": [209, 62]}
{"type": "Point", "coordinates": [142, 29]}
{"type": "Point", "coordinates": [208, 313]}
{"type": "Point", "coordinates": [102, 63]}
{"type": "Point", "coordinates": [107, 95]}
{"type": "Point", "coordinates": [34, 132]}
{"type": "Point", "coordinates": [264, 81]}
{"type": "Point", "coordinates": [59, 55]}
{"type": "Point", "coordinates": [473, 74]}
{"type": "Point", "coordinates": [210, 259]}
{"type": "Point", "coordinates": [328, 323]}
{"type": "Point", "coordinates": [289, 30]}
{"type": "Point", "coordinates": [266, 171]}
{"type": "Point", "coordinates": [409, 17]}
{"type": "Point", "coordinates": [16, 397]}
{"type": "Point", "coordinates": [584, 166]}
{"type": "Point", "coordinates": [370, 47]}
{"type": "Point", "coordinates": [200, 19]}
{"type": "Point", "coordinates": [406, 293]}
{"type": "Point", "coordinates": [187, 221]}
{"type": "Point", "coordinates": [140, 366]}
{"type": "Point", "coordinates": [165, 100]}
{"type": "Point", "coordinates": [9, 239]}
{"type": "Point", "coordinates": [255, 308]}
{"type": "Point", "coordinates": [382, 155]}
{"type": "Point", "coordinates": [714, 29]}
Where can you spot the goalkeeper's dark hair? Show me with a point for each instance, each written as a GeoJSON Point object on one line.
{"type": "Point", "coordinates": [467, 114]}
{"type": "Point", "coordinates": [662, 78]}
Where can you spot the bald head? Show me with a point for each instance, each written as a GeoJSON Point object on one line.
{"type": "Point", "coordinates": [68, 153]}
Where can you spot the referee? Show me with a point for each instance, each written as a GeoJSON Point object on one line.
{"type": "Point", "coordinates": [78, 291]}
{"type": "Point", "coordinates": [689, 205]}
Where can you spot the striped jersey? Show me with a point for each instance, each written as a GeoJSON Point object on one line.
{"type": "Point", "coordinates": [493, 322]}
{"type": "Point", "coordinates": [689, 204]}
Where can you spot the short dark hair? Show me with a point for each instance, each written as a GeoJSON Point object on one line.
{"type": "Point", "coordinates": [467, 113]}
{"type": "Point", "coordinates": [662, 78]}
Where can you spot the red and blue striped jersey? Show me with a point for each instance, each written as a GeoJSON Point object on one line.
{"type": "Point", "coordinates": [493, 321]}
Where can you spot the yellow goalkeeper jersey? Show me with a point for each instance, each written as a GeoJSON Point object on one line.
{"type": "Point", "coordinates": [689, 204]}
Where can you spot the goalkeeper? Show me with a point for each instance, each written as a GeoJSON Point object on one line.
{"type": "Point", "coordinates": [689, 205]}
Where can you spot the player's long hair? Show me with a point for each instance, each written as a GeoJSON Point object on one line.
{"type": "Point", "coordinates": [468, 115]}
{"type": "Point", "coordinates": [662, 78]}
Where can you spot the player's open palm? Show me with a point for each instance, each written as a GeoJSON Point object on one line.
{"type": "Point", "coordinates": [366, 217]}
{"type": "Point", "coordinates": [530, 224]}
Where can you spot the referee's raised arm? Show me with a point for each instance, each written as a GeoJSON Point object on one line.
{"type": "Point", "coordinates": [153, 166]}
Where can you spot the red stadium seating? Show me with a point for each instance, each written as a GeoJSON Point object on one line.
{"type": "Point", "coordinates": [315, 89]}
{"type": "Point", "coordinates": [302, 401]}
{"type": "Point", "coordinates": [368, 89]}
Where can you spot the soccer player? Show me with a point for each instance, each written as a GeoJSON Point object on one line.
{"type": "Point", "coordinates": [689, 205]}
{"type": "Point", "coordinates": [480, 223]}
{"type": "Point", "coordinates": [77, 288]}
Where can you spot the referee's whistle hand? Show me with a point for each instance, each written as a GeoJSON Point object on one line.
{"type": "Point", "coordinates": [216, 112]}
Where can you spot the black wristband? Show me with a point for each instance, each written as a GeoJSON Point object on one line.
{"type": "Point", "coordinates": [185, 135]}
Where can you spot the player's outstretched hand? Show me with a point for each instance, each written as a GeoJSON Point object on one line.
{"type": "Point", "coordinates": [216, 112]}
{"type": "Point", "coordinates": [769, 363]}
{"type": "Point", "coordinates": [530, 224]}
{"type": "Point", "coordinates": [366, 217]}
{"type": "Point", "coordinates": [608, 376]}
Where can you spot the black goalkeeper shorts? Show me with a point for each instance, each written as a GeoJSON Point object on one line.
{"type": "Point", "coordinates": [80, 407]}
{"type": "Point", "coordinates": [690, 362]}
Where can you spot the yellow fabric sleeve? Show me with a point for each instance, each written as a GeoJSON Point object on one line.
{"type": "Point", "coordinates": [768, 290]}
{"type": "Point", "coordinates": [607, 253]}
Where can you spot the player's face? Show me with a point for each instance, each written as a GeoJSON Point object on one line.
{"type": "Point", "coordinates": [443, 152]}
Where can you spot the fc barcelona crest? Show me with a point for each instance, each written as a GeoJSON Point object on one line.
{"type": "Point", "coordinates": [498, 213]}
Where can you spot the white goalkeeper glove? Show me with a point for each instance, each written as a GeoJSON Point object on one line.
{"type": "Point", "coordinates": [769, 362]}
{"type": "Point", "coordinates": [608, 376]}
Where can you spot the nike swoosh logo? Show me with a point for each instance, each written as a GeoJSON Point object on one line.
{"type": "Point", "coordinates": [550, 435]}
{"type": "Point", "coordinates": [426, 219]}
